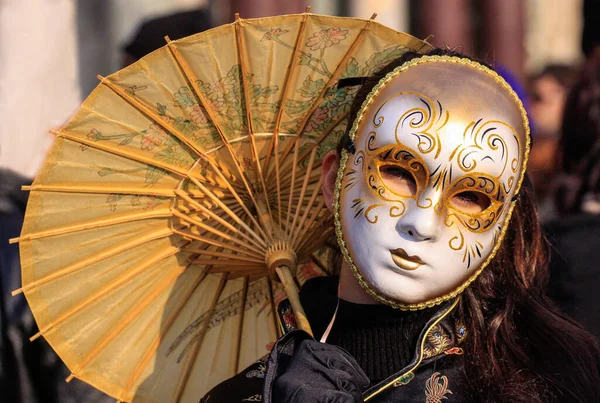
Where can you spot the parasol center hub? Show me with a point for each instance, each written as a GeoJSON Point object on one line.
{"type": "Point", "coordinates": [278, 254]}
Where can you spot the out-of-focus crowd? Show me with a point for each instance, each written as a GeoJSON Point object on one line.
{"type": "Point", "coordinates": [563, 103]}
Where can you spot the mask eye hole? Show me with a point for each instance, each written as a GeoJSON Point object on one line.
{"type": "Point", "coordinates": [470, 202]}
{"type": "Point", "coordinates": [398, 180]}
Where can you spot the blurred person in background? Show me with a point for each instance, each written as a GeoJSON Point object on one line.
{"type": "Point", "coordinates": [29, 371]}
{"type": "Point", "coordinates": [151, 33]}
{"type": "Point", "coordinates": [548, 90]}
{"type": "Point", "coordinates": [575, 236]}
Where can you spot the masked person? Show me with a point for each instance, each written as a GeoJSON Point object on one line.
{"type": "Point", "coordinates": [440, 294]}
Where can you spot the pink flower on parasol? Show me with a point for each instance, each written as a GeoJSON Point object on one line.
{"type": "Point", "coordinates": [326, 38]}
{"type": "Point", "coordinates": [198, 115]}
{"type": "Point", "coordinates": [317, 119]}
{"type": "Point", "coordinates": [153, 137]}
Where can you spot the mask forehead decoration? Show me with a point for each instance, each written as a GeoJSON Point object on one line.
{"type": "Point", "coordinates": [423, 200]}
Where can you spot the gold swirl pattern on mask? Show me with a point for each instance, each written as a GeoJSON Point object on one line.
{"type": "Point", "coordinates": [502, 227]}
{"type": "Point", "coordinates": [486, 140]}
{"type": "Point", "coordinates": [488, 186]}
{"type": "Point", "coordinates": [474, 224]}
{"type": "Point", "coordinates": [370, 164]}
{"type": "Point", "coordinates": [360, 210]}
{"type": "Point", "coordinates": [469, 251]}
{"type": "Point", "coordinates": [399, 156]}
{"type": "Point", "coordinates": [422, 118]}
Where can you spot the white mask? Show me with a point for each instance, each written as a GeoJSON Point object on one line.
{"type": "Point", "coordinates": [423, 201]}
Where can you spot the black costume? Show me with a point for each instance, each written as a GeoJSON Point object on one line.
{"type": "Point", "coordinates": [574, 268]}
{"type": "Point", "coordinates": [412, 356]}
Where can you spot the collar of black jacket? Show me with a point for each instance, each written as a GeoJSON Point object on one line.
{"type": "Point", "coordinates": [421, 336]}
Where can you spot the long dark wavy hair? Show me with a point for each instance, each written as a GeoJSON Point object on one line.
{"type": "Point", "coordinates": [519, 348]}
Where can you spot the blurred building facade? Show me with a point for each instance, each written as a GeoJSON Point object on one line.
{"type": "Point", "coordinates": [50, 63]}
{"type": "Point", "coordinates": [38, 78]}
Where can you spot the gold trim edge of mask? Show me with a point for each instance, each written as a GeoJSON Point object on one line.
{"type": "Point", "coordinates": [344, 158]}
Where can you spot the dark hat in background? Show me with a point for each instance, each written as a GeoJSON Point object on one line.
{"type": "Point", "coordinates": [151, 33]}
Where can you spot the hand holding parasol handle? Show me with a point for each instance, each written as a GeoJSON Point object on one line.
{"type": "Point", "coordinates": [285, 275]}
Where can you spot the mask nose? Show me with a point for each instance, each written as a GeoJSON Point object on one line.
{"type": "Point", "coordinates": [421, 224]}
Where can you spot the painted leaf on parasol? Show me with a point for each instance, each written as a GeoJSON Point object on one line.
{"type": "Point", "coordinates": [171, 197]}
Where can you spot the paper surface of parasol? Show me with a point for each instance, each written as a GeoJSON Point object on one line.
{"type": "Point", "coordinates": [169, 198]}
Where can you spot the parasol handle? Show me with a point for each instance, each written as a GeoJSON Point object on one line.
{"type": "Point", "coordinates": [285, 275]}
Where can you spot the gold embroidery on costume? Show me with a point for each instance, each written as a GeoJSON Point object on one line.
{"type": "Point", "coordinates": [460, 331]}
{"type": "Point", "coordinates": [437, 341]}
{"type": "Point", "coordinates": [436, 388]}
{"type": "Point", "coordinates": [254, 398]}
{"type": "Point", "coordinates": [404, 379]}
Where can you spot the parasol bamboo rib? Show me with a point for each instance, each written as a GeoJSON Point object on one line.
{"type": "Point", "coordinates": [237, 197]}
{"type": "Point", "coordinates": [180, 60]}
{"type": "Point", "coordinates": [249, 273]}
{"type": "Point", "coordinates": [244, 68]}
{"type": "Point", "coordinates": [308, 226]}
{"type": "Point", "coordinates": [319, 224]}
{"type": "Point", "coordinates": [305, 229]}
{"type": "Point", "coordinates": [98, 189]}
{"type": "Point", "coordinates": [192, 80]}
{"type": "Point", "coordinates": [323, 136]}
{"type": "Point", "coordinates": [153, 347]}
{"type": "Point", "coordinates": [179, 338]}
{"type": "Point", "coordinates": [189, 363]}
{"type": "Point", "coordinates": [236, 365]}
{"type": "Point", "coordinates": [274, 145]}
{"type": "Point", "coordinates": [224, 255]}
{"type": "Point", "coordinates": [318, 240]}
{"type": "Point", "coordinates": [315, 173]}
{"type": "Point", "coordinates": [292, 186]}
{"type": "Point", "coordinates": [308, 208]}
{"type": "Point", "coordinates": [235, 217]}
{"type": "Point", "coordinates": [103, 222]}
{"type": "Point", "coordinates": [332, 79]}
{"type": "Point", "coordinates": [231, 265]}
{"type": "Point", "coordinates": [215, 217]}
{"type": "Point", "coordinates": [303, 190]}
{"type": "Point", "coordinates": [210, 241]}
{"type": "Point", "coordinates": [162, 233]}
{"type": "Point", "coordinates": [157, 257]}
{"type": "Point", "coordinates": [152, 115]}
{"type": "Point", "coordinates": [130, 317]}
{"type": "Point", "coordinates": [315, 176]}
{"type": "Point", "coordinates": [244, 268]}
{"type": "Point", "coordinates": [120, 152]}
{"type": "Point", "coordinates": [312, 186]}
{"type": "Point", "coordinates": [213, 230]}
{"type": "Point", "coordinates": [286, 168]}
{"type": "Point", "coordinates": [193, 233]}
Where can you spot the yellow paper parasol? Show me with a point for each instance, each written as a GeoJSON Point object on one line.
{"type": "Point", "coordinates": [177, 189]}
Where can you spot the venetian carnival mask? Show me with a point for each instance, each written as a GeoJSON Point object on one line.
{"type": "Point", "coordinates": [426, 192]}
